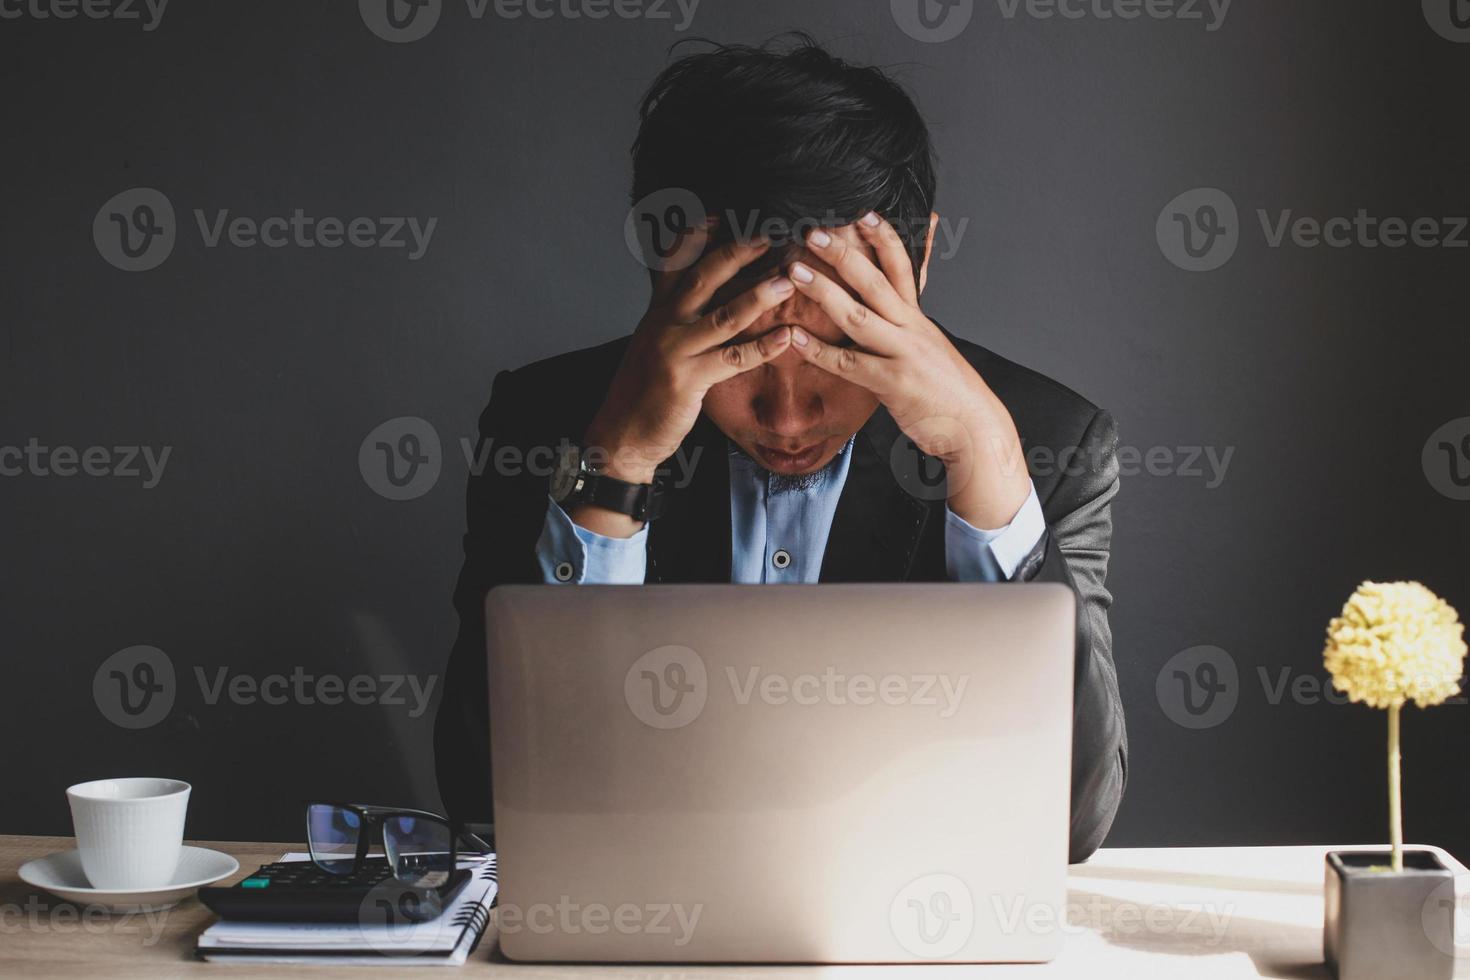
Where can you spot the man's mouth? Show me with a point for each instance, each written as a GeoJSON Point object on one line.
{"type": "Point", "coordinates": [801, 460]}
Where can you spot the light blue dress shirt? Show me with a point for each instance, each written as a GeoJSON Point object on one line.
{"type": "Point", "coordinates": [778, 533]}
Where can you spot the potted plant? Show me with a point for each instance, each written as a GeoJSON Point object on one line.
{"type": "Point", "coordinates": [1390, 914]}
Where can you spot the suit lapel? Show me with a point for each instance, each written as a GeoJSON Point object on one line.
{"type": "Point", "coordinates": [691, 541]}
{"type": "Point", "coordinates": [878, 524]}
{"type": "Point", "coordinates": [875, 532]}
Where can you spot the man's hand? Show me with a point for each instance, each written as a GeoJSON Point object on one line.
{"type": "Point", "coordinates": [904, 359]}
{"type": "Point", "coordinates": [676, 355]}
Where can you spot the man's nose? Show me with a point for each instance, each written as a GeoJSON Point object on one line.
{"type": "Point", "coordinates": [783, 405]}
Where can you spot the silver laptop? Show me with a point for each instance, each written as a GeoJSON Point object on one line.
{"type": "Point", "coordinates": [799, 774]}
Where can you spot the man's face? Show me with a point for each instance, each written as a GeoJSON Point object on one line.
{"type": "Point", "coordinates": [788, 415]}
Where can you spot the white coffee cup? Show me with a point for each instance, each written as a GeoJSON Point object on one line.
{"type": "Point", "coordinates": [130, 832]}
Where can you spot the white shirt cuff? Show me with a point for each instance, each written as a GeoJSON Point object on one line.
{"type": "Point", "coordinates": [570, 554]}
{"type": "Point", "coordinates": [972, 554]}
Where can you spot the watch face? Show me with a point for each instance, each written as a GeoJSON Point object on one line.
{"type": "Point", "coordinates": [566, 473]}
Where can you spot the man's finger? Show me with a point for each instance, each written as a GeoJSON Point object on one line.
{"type": "Point", "coordinates": [893, 255]}
{"type": "Point", "coordinates": [706, 276]}
{"type": "Point", "coordinates": [726, 362]}
{"type": "Point", "coordinates": [724, 322]}
{"type": "Point", "coordinates": [859, 367]}
{"type": "Point", "coordinates": [859, 272]}
{"type": "Point", "coordinates": [859, 322]}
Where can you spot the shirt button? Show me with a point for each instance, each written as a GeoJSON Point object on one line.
{"type": "Point", "coordinates": [781, 559]}
{"type": "Point", "coordinates": [563, 571]}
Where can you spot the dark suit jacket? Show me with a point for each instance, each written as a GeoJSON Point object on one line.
{"type": "Point", "coordinates": [880, 533]}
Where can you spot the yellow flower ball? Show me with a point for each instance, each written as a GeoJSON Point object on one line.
{"type": "Point", "coordinates": [1396, 642]}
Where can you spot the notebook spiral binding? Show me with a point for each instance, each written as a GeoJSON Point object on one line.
{"type": "Point", "coordinates": [477, 917]}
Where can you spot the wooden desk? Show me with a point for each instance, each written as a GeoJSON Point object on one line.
{"type": "Point", "coordinates": [1176, 913]}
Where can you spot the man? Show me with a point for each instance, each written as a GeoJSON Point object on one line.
{"type": "Point", "coordinates": [777, 412]}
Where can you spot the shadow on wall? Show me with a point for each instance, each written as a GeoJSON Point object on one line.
{"type": "Point", "coordinates": [411, 740]}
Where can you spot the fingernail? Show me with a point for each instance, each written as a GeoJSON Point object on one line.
{"type": "Point", "coordinates": [801, 273]}
{"type": "Point", "coordinates": [819, 238]}
{"type": "Point", "coordinates": [798, 336]}
{"type": "Point", "coordinates": [781, 286]}
{"type": "Point", "coordinates": [870, 219]}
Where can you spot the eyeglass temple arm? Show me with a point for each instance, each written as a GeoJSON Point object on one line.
{"type": "Point", "coordinates": [480, 837]}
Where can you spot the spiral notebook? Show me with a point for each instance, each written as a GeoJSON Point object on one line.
{"type": "Point", "coordinates": [446, 941]}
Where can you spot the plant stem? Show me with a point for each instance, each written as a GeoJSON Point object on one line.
{"type": "Point", "coordinates": [1395, 799]}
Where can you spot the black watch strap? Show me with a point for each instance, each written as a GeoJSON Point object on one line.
{"type": "Point", "coordinates": [640, 501]}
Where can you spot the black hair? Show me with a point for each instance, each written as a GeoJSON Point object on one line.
{"type": "Point", "coordinates": [786, 135]}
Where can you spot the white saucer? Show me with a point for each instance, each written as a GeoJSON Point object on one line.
{"type": "Point", "coordinates": [61, 874]}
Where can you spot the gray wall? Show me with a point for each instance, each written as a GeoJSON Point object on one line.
{"type": "Point", "coordinates": [263, 549]}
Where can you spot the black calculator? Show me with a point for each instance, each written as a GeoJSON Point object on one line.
{"type": "Point", "coordinates": [299, 891]}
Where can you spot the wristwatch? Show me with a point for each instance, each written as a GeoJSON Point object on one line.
{"type": "Point", "coordinates": [573, 482]}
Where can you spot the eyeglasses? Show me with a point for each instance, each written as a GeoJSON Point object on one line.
{"type": "Point", "coordinates": [421, 847]}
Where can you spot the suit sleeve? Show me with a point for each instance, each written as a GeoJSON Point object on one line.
{"type": "Point", "coordinates": [1075, 552]}
{"type": "Point", "coordinates": [505, 513]}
